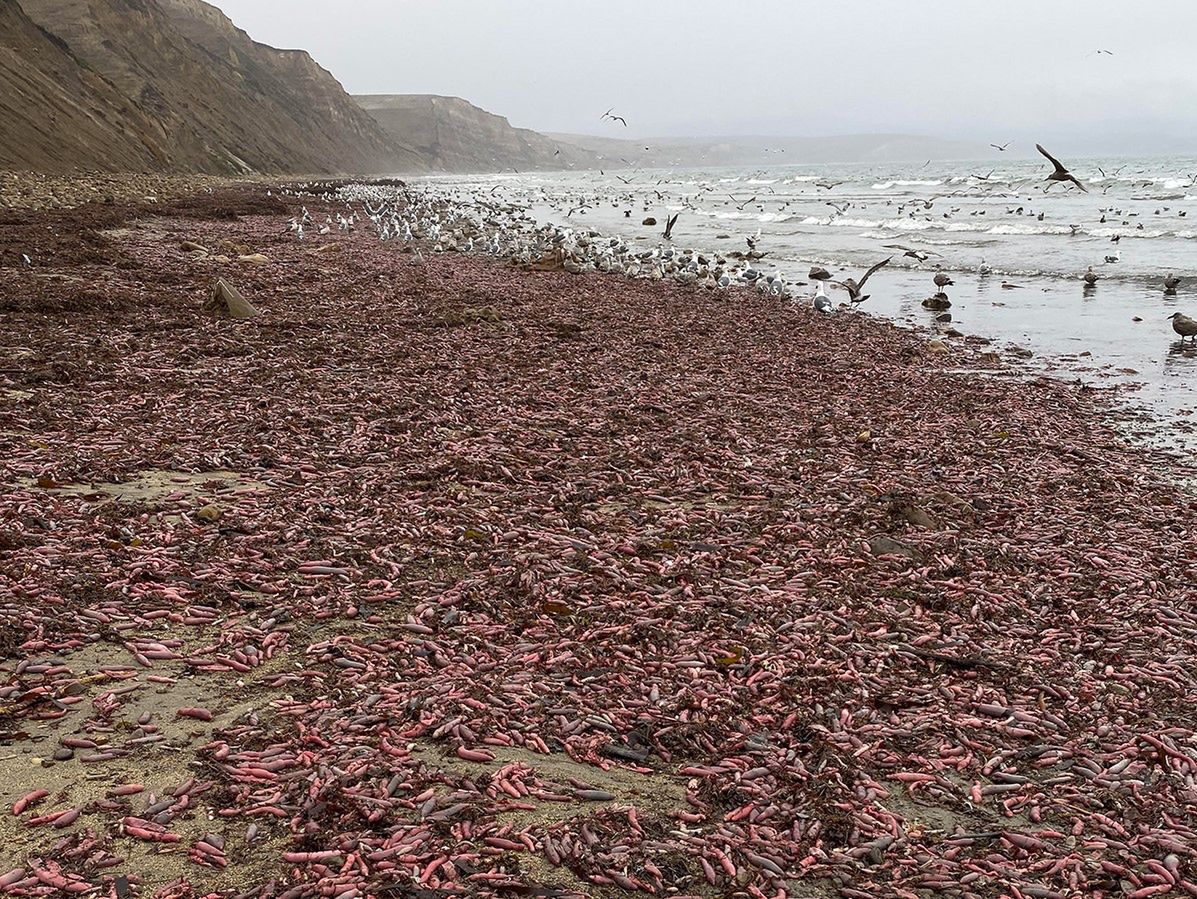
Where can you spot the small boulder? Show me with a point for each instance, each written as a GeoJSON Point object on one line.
{"type": "Point", "coordinates": [227, 300]}
{"type": "Point", "coordinates": [254, 259]}
{"type": "Point", "coordinates": [888, 546]}
{"type": "Point", "coordinates": [190, 246]}
{"type": "Point", "coordinates": [209, 513]}
{"type": "Point", "coordinates": [649, 222]}
{"type": "Point", "coordinates": [234, 249]}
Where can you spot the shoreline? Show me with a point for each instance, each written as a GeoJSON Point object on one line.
{"type": "Point", "coordinates": [820, 596]}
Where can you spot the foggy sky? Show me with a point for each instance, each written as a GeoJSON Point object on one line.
{"type": "Point", "coordinates": [987, 70]}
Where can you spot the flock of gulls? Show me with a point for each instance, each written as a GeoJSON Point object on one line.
{"type": "Point", "coordinates": [477, 222]}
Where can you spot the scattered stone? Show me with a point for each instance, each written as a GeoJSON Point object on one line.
{"type": "Point", "coordinates": [888, 546]}
{"type": "Point", "coordinates": [209, 513]}
{"type": "Point", "coordinates": [227, 300]}
{"type": "Point", "coordinates": [1021, 352]}
{"type": "Point", "coordinates": [234, 249]}
{"type": "Point", "coordinates": [944, 317]}
{"type": "Point", "coordinates": [190, 246]}
{"type": "Point", "coordinates": [254, 259]}
{"type": "Point", "coordinates": [935, 345]}
{"type": "Point", "coordinates": [649, 222]}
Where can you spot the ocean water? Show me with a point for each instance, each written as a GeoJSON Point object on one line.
{"type": "Point", "coordinates": [1001, 212]}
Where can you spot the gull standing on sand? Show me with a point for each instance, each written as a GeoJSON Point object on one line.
{"type": "Point", "coordinates": [1061, 173]}
{"type": "Point", "coordinates": [1184, 326]}
{"type": "Point", "coordinates": [821, 300]}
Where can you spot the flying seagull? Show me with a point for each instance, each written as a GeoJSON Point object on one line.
{"type": "Point", "coordinates": [1002, 148]}
{"type": "Point", "coordinates": [1061, 173]}
{"type": "Point", "coordinates": [615, 118]}
{"type": "Point", "coordinates": [855, 287]}
{"type": "Point", "coordinates": [920, 255]}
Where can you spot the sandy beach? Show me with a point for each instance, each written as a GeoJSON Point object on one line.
{"type": "Point", "coordinates": [458, 579]}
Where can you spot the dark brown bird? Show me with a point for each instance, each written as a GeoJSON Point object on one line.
{"type": "Point", "coordinates": [669, 223]}
{"type": "Point", "coordinates": [1184, 326]}
{"type": "Point", "coordinates": [1090, 277]}
{"type": "Point", "coordinates": [855, 287]}
{"type": "Point", "coordinates": [1171, 282]}
{"type": "Point", "coordinates": [1061, 173]}
{"type": "Point", "coordinates": [942, 280]}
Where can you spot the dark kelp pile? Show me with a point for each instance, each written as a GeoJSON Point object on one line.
{"type": "Point", "coordinates": [458, 580]}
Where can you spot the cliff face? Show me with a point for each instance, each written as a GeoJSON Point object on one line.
{"type": "Point", "coordinates": [328, 118]}
{"type": "Point", "coordinates": [173, 85]}
{"type": "Point", "coordinates": [455, 136]}
{"type": "Point", "coordinates": [56, 114]}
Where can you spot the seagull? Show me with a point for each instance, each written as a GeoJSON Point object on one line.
{"type": "Point", "coordinates": [984, 269]}
{"type": "Point", "coordinates": [1002, 148]}
{"type": "Point", "coordinates": [943, 280]}
{"type": "Point", "coordinates": [1061, 173]}
{"type": "Point", "coordinates": [1106, 52]}
{"type": "Point", "coordinates": [1090, 277]}
{"type": "Point", "coordinates": [669, 226]}
{"type": "Point", "coordinates": [1171, 282]}
{"type": "Point", "coordinates": [1115, 258]}
{"type": "Point", "coordinates": [26, 262]}
{"type": "Point", "coordinates": [920, 255]}
{"type": "Point", "coordinates": [822, 303]}
{"type": "Point", "coordinates": [855, 287]}
{"type": "Point", "coordinates": [1184, 326]}
{"type": "Point", "coordinates": [615, 118]}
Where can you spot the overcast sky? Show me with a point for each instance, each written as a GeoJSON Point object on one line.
{"type": "Point", "coordinates": [979, 69]}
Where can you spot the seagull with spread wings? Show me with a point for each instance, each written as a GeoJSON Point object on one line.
{"type": "Point", "coordinates": [855, 287]}
{"type": "Point", "coordinates": [1061, 173]}
{"type": "Point", "coordinates": [920, 255]}
{"type": "Point", "coordinates": [614, 118]}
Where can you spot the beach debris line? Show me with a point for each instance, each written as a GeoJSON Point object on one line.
{"type": "Point", "coordinates": [643, 593]}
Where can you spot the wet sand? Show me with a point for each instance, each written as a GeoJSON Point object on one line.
{"type": "Point", "coordinates": [492, 581]}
